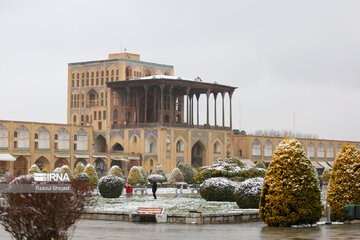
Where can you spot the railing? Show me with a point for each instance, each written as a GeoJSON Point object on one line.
{"type": "Point", "coordinates": [61, 150]}
{"type": "Point", "coordinates": [42, 149]}
{"type": "Point", "coordinates": [93, 103]}
{"type": "Point", "coordinates": [21, 149]}
{"type": "Point", "coordinates": [163, 124]}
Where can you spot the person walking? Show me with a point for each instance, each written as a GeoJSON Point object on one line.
{"type": "Point", "coordinates": [154, 188]}
{"type": "Point", "coordinates": [128, 190]}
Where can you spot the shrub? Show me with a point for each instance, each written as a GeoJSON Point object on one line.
{"type": "Point", "coordinates": [176, 176]}
{"type": "Point", "coordinates": [83, 177]}
{"type": "Point", "coordinates": [144, 178]}
{"type": "Point", "coordinates": [218, 189]}
{"type": "Point", "coordinates": [135, 176]}
{"type": "Point", "coordinates": [260, 164]}
{"type": "Point", "coordinates": [44, 170]}
{"type": "Point", "coordinates": [344, 185]}
{"type": "Point", "coordinates": [290, 193]}
{"type": "Point", "coordinates": [34, 169]}
{"type": "Point", "coordinates": [42, 215]}
{"type": "Point", "coordinates": [78, 169]}
{"type": "Point", "coordinates": [155, 178]}
{"type": "Point", "coordinates": [231, 168]}
{"type": "Point", "coordinates": [247, 195]}
{"type": "Point", "coordinates": [326, 175]}
{"type": "Point", "coordinates": [111, 186]}
{"type": "Point", "coordinates": [66, 169]}
{"type": "Point", "coordinates": [158, 169]}
{"type": "Point", "coordinates": [116, 171]}
{"type": "Point", "coordinates": [90, 171]}
{"type": "Point", "coordinates": [187, 172]}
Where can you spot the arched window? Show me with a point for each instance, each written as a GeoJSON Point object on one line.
{"type": "Point", "coordinates": [217, 147]}
{"type": "Point", "coordinates": [74, 119]}
{"type": "Point", "coordinates": [330, 151]}
{"type": "Point", "coordinates": [178, 118]}
{"type": "Point", "coordinates": [82, 118]}
{"type": "Point", "coordinates": [166, 118]}
{"type": "Point", "coordinates": [42, 138]}
{"type": "Point", "coordinates": [151, 162]}
{"type": "Point", "coordinates": [311, 150]}
{"type": "Point", "coordinates": [135, 139]}
{"type": "Point", "coordinates": [321, 151]}
{"type": "Point", "coordinates": [268, 148]}
{"type": "Point", "coordinates": [115, 114]}
{"type": "Point", "coordinates": [81, 140]}
{"type": "Point", "coordinates": [256, 148]}
{"type": "Point", "coordinates": [22, 137]}
{"type": "Point", "coordinates": [62, 139]}
{"type": "Point", "coordinates": [150, 144]}
{"type": "Point", "coordinates": [117, 147]}
{"type": "Point", "coordinates": [180, 146]}
{"type": "Point", "coordinates": [338, 149]}
{"type": "Point", "coordinates": [4, 134]}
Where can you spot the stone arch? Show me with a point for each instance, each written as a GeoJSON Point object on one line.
{"type": "Point", "coordinates": [81, 140]}
{"type": "Point", "coordinates": [43, 163]}
{"type": "Point", "coordinates": [330, 151]}
{"type": "Point", "coordinates": [256, 148]}
{"type": "Point", "coordinates": [320, 151]}
{"type": "Point", "coordinates": [117, 147]}
{"type": "Point", "coordinates": [148, 72]}
{"type": "Point", "coordinates": [118, 163]}
{"type": "Point", "coordinates": [128, 72]}
{"type": "Point", "coordinates": [180, 146]}
{"type": "Point", "coordinates": [268, 148]}
{"type": "Point", "coordinates": [100, 167]}
{"type": "Point", "coordinates": [82, 160]}
{"type": "Point", "coordinates": [150, 144]}
{"type": "Point", "coordinates": [61, 162]}
{"type": "Point", "coordinates": [100, 144]}
{"type": "Point", "coordinates": [62, 139]}
{"type": "Point", "coordinates": [42, 138]}
{"type": "Point", "coordinates": [311, 150]}
{"type": "Point", "coordinates": [167, 73]}
{"type": "Point", "coordinates": [217, 147]}
{"type": "Point", "coordinates": [133, 144]}
{"type": "Point", "coordinates": [4, 137]}
{"type": "Point", "coordinates": [198, 154]}
{"type": "Point", "coordinates": [21, 137]}
{"type": "Point", "coordinates": [20, 166]}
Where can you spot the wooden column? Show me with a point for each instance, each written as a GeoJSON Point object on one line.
{"type": "Point", "coordinates": [155, 115]}
{"type": "Point", "coordinates": [171, 105]}
{"type": "Point", "coordinates": [127, 104]}
{"type": "Point", "coordinates": [162, 103]}
{"type": "Point", "coordinates": [230, 96]}
{"type": "Point", "coordinates": [223, 109]}
{"type": "Point", "coordinates": [207, 107]}
{"type": "Point", "coordinates": [215, 96]}
{"type": "Point", "coordinates": [145, 110]}
{"type": "Point", "coordinates": [192, 109]}
{"type": "Point", "coordinates": [187, 105]}
{"type": "Point", "coordinates": [137, 106]}
{"type": "Point", "coordinates": [197, 107]}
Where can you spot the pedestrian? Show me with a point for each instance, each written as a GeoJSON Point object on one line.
{"type": "Point", "coordinates": [154, 188]}
{"type": "Point", "coordinates": [128, 190]}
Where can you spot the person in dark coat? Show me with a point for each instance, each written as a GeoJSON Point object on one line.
{"type": "Point", "coordinates": [154, 188]}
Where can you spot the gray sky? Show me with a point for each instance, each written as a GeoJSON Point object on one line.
{"type": "Point", "coordinates": [284, 56]}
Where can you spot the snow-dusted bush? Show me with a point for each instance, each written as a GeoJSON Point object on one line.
{"type": "Point", "coordinates": [34, 169]}
{"type": "Point", "coordinates": [325, 175]}
{"type": "Point", "coordinates": [116, 171]}
{"type": "Point", "coordinates": [231, 168]}
{"type": "Point", "coordinates": [135, 176]}
{"type": "Point", "coordinates": [111, 186]}
{"type": "Point", "coordinates": [144, 175]}
{"type": "Point", "coordinates": [83, 177]}
{"type": "Point", "coordinates": [158, 169]}
{"type": "Point", "coordinates": [344, 185]}
{"type": "Point", "coordinates": [44, 170]}
{"type": "Point", "coordinates": [218, 189]}
{"type": "Point", "coordinates": [187, 172]}
{"type": "Point", "coordinates": [247, 194]}
{"type": "Point", "coordinates": [260, 164]}
{"type": "Point", "coordinates": [66, 169]}
{"type": "Point", "coordinates": [90, 171]}
{"type": "Point", "coordinates": [155, 178]}
{"type": "Point", "coordinates": [176, 176]}
{"type": "Point", "coordinates": [290, 193]}
{"type": "Point", "coordinates": [78, 169]}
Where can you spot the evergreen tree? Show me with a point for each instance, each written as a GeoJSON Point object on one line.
{"type": "Point", "coordinates": [158, 169]}
{"type": "Point", "coordinates": [144, 175]}
{"type": "Point", "coordinates": [78, 169]}
{"type": "Point", "coordinates": [325, 175]}
{"type": "Point", "coordinates": [135, 176]}
{"type": "Point", "coordinates": [290, 193]}
{"type": "Point", "coordinates": [344, 185]}
{"type": "Point", "coordinates": [34, 169]}
{"type": "Point", "coordinates": [116, 171]}
{"type": "Point", "coordinates": [90, 171]}
{"type": "Point", "coordinates": [187, 172]}
{"type": "Point", "coordinates": [176, 176]}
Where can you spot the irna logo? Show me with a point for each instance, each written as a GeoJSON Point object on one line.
{"type": "Point", "coordinates": [51, 177]}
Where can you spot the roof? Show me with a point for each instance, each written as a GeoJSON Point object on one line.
{"type": "Point", "coordinates": [121, 60]}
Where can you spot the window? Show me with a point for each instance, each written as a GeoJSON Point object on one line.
{"type": "Point", "coordinates": [56, 137]}
{"type": "Point", "coordinates": [95, 115]}
{"type": "Point", "coordinates": [97, 81]}
{"type": "Point", "coordinates": [92, 74]}
{"type": "Point", "coordinates": [117, 71]}
{"type": "Point", "coordinates": [15, 134]}
{"type": "Point", "coordinates": [87, 74]}
{"type": "Point", "coordinates": [77, 75]}
{"type": "Point", "coordinates": [107, 72]}
{"type": "Point", "coordinates": [180, 146]}
{"type": "Point", "coordinates": [102, 73]}
{"type": "Point", "coordinates": [73, 76]}
{"type": "Point", "coordinates": [151, 163]}
{"type": "Point", "coordinates": [112, 72]}
{"type": "Point", "coordinates": [240, 153]}
{"type": "Point", "coordinates": [36, 136]}
{"type": "Point", "coordinates": [102, 81]}
{"type": "Point", "coordinates": [256, 148]}
{"type": "Point", "coordinates": [82, 82]}
{"type": "Point", "coordinates": [92, 82]}
{"type": "Point", "coordinates": [74, 119]}
{"type": "Point", "coordinates": [99, 115]}
{"type": "Point", "coordinates": [77, 83]}
{"type": "Point", "coordinates": [115, 114]}
{"type": "Point", "coordinates": [72, 83]}
{"type": "Point", "coordinates": [87, 82]}
{"type": "Point", "coordinates": [82, 118]}
{"type": "Point", "coordinates": [97, 74]}
{"type": "Point", "coordinates": [104, 115]}
{"type": "Point", "coordinates": [99, 125]}
{"type": "Point", "coordinates": [217, 148]}
{"type": "Point", "coordinates": [135, 139]}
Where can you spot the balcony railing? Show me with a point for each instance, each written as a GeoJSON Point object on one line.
{"type": "Point", "coordinates": [163, 124]}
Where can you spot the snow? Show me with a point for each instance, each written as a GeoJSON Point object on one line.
{"type": "Point", "coordinates": [163, 77]}
{"type": "Point", "coordinates": [218, 182]}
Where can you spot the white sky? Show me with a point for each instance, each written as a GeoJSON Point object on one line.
{"type": "Point", "coordinates": [284, 56]}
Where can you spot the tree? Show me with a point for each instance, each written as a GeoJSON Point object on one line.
{"type": "Point", "coordinates": [176, 176]}
{"type": "Point", "coordinates": [135, 176]}
{"type": "Point", "coordinates": [325, 175]}
{"type": "Point", "coordinates": [116, 171]}
{"type": "Point", "coordinates": [34, 169]}
{"type": "Point", "coordinates": [344, 185]}
{"type": "Point", "coordinates": [78, 169]}
{"type": "Point", "coordinates": [90, 171]}
{"type": "Point", "coordinates": [290, 194]}
{"type": "Point", "coordinates": [158, 169]}
{"type": "Point", "coordinates": [187, 172]}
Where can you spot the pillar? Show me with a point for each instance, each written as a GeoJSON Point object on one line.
{"type": "Point", "coordinates": [197, 108]}
{"type": "Point", "coordinates": [171, 105]}
{"type": "Point", "coordinates": [127, 104]}
{"type": "Point", "coordinates": [223, 109]}
{"type": "Point", "coordinates": [162, 103]}
{"type": "Point", "coordinates": [155, 115]}
{"type": "Point", "coordinates": [230, 96]}
{"type": "Point", "coordinates": [192, 109]}
{"type": "Point", "coordinates": [145, 110]}
{"type": "Point", "coordinates": [187, 105]}
{"type": "Point", "coordinates": [207, 107]}
{"type": "Point", "coordinates": [137, 106]}
{"type": "Point", "coordinates": [215, 96]}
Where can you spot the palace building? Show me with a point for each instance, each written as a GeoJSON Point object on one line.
{"type": "Point", "coordinates": [127, 112]}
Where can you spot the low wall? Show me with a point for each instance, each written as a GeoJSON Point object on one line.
{"type": "Point", "coordinates": [182, 218]}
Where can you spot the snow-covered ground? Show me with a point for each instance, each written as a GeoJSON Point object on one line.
{"type": "Point", "coordinates": [166, 199]}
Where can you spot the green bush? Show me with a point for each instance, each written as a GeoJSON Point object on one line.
{"type": "Point", "coordinates": [158, 169]}
{"type": "Point", "coordinates": [187, 172]}
{"type": "Point", "coordinates": [44, 170]}
{"type": "Point", "coordinates": [325, 175]}
{"type": "Point", "coordinates": [231, 168]}
{"type": "Point", "coordinates": [90, 171]}
{"type": "Point", "coordinates": [111, 186]}
{"type": "Point", "coordinates": [290, 193]}
{"type": "Point", "coordinates": [78, 169]}
{"type": "Point", "coordinates": [144, 175]}
{"type": "Point", "coordinates": [344, 182]}
{"type": "Point", "coordinates": [135, 176]}
{"type": "Point", "coordinates": [116, 171]}
{"type": "Point", "coordinates": [260, 164]}
{"type": "Point", "coordinates": [156, 178]}
{"type": "Point", "coordinates": [218, 189]}
{"type": "Point", "coordinates": [34, 169]}
{"type": "Point", "coordinates": [247, 195]}
{"type": "Point", "coordinates": [83, 177]}
{"type": "Point", "coordinates": [176, 176]}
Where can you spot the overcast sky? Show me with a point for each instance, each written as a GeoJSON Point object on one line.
{"type": "Point", "coordinates": [285, 57]}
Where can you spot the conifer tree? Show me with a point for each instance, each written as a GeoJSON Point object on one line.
{"type": "Point", "coordinates": [344, 185]}
{"type": "Point", "coordinates": [78, 169]}
{"type": "Point", "coordinates": [290, 193]}
{"type": "Point", "coordinates": [116, 171]}
{"type": "Point", "coordinates": [34, 169]}
{"type": "Point", "coordinates": [135, 176]}
{"type": "Point", "coordinates": [176, 176]}
{"type": "Point", "coordinates": [158, 169]}
{"type": "Point", "coordinates": [90, 171]}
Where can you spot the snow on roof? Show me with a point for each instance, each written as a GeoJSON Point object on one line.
{"type": "Point", "coordinates": [163, 77]}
